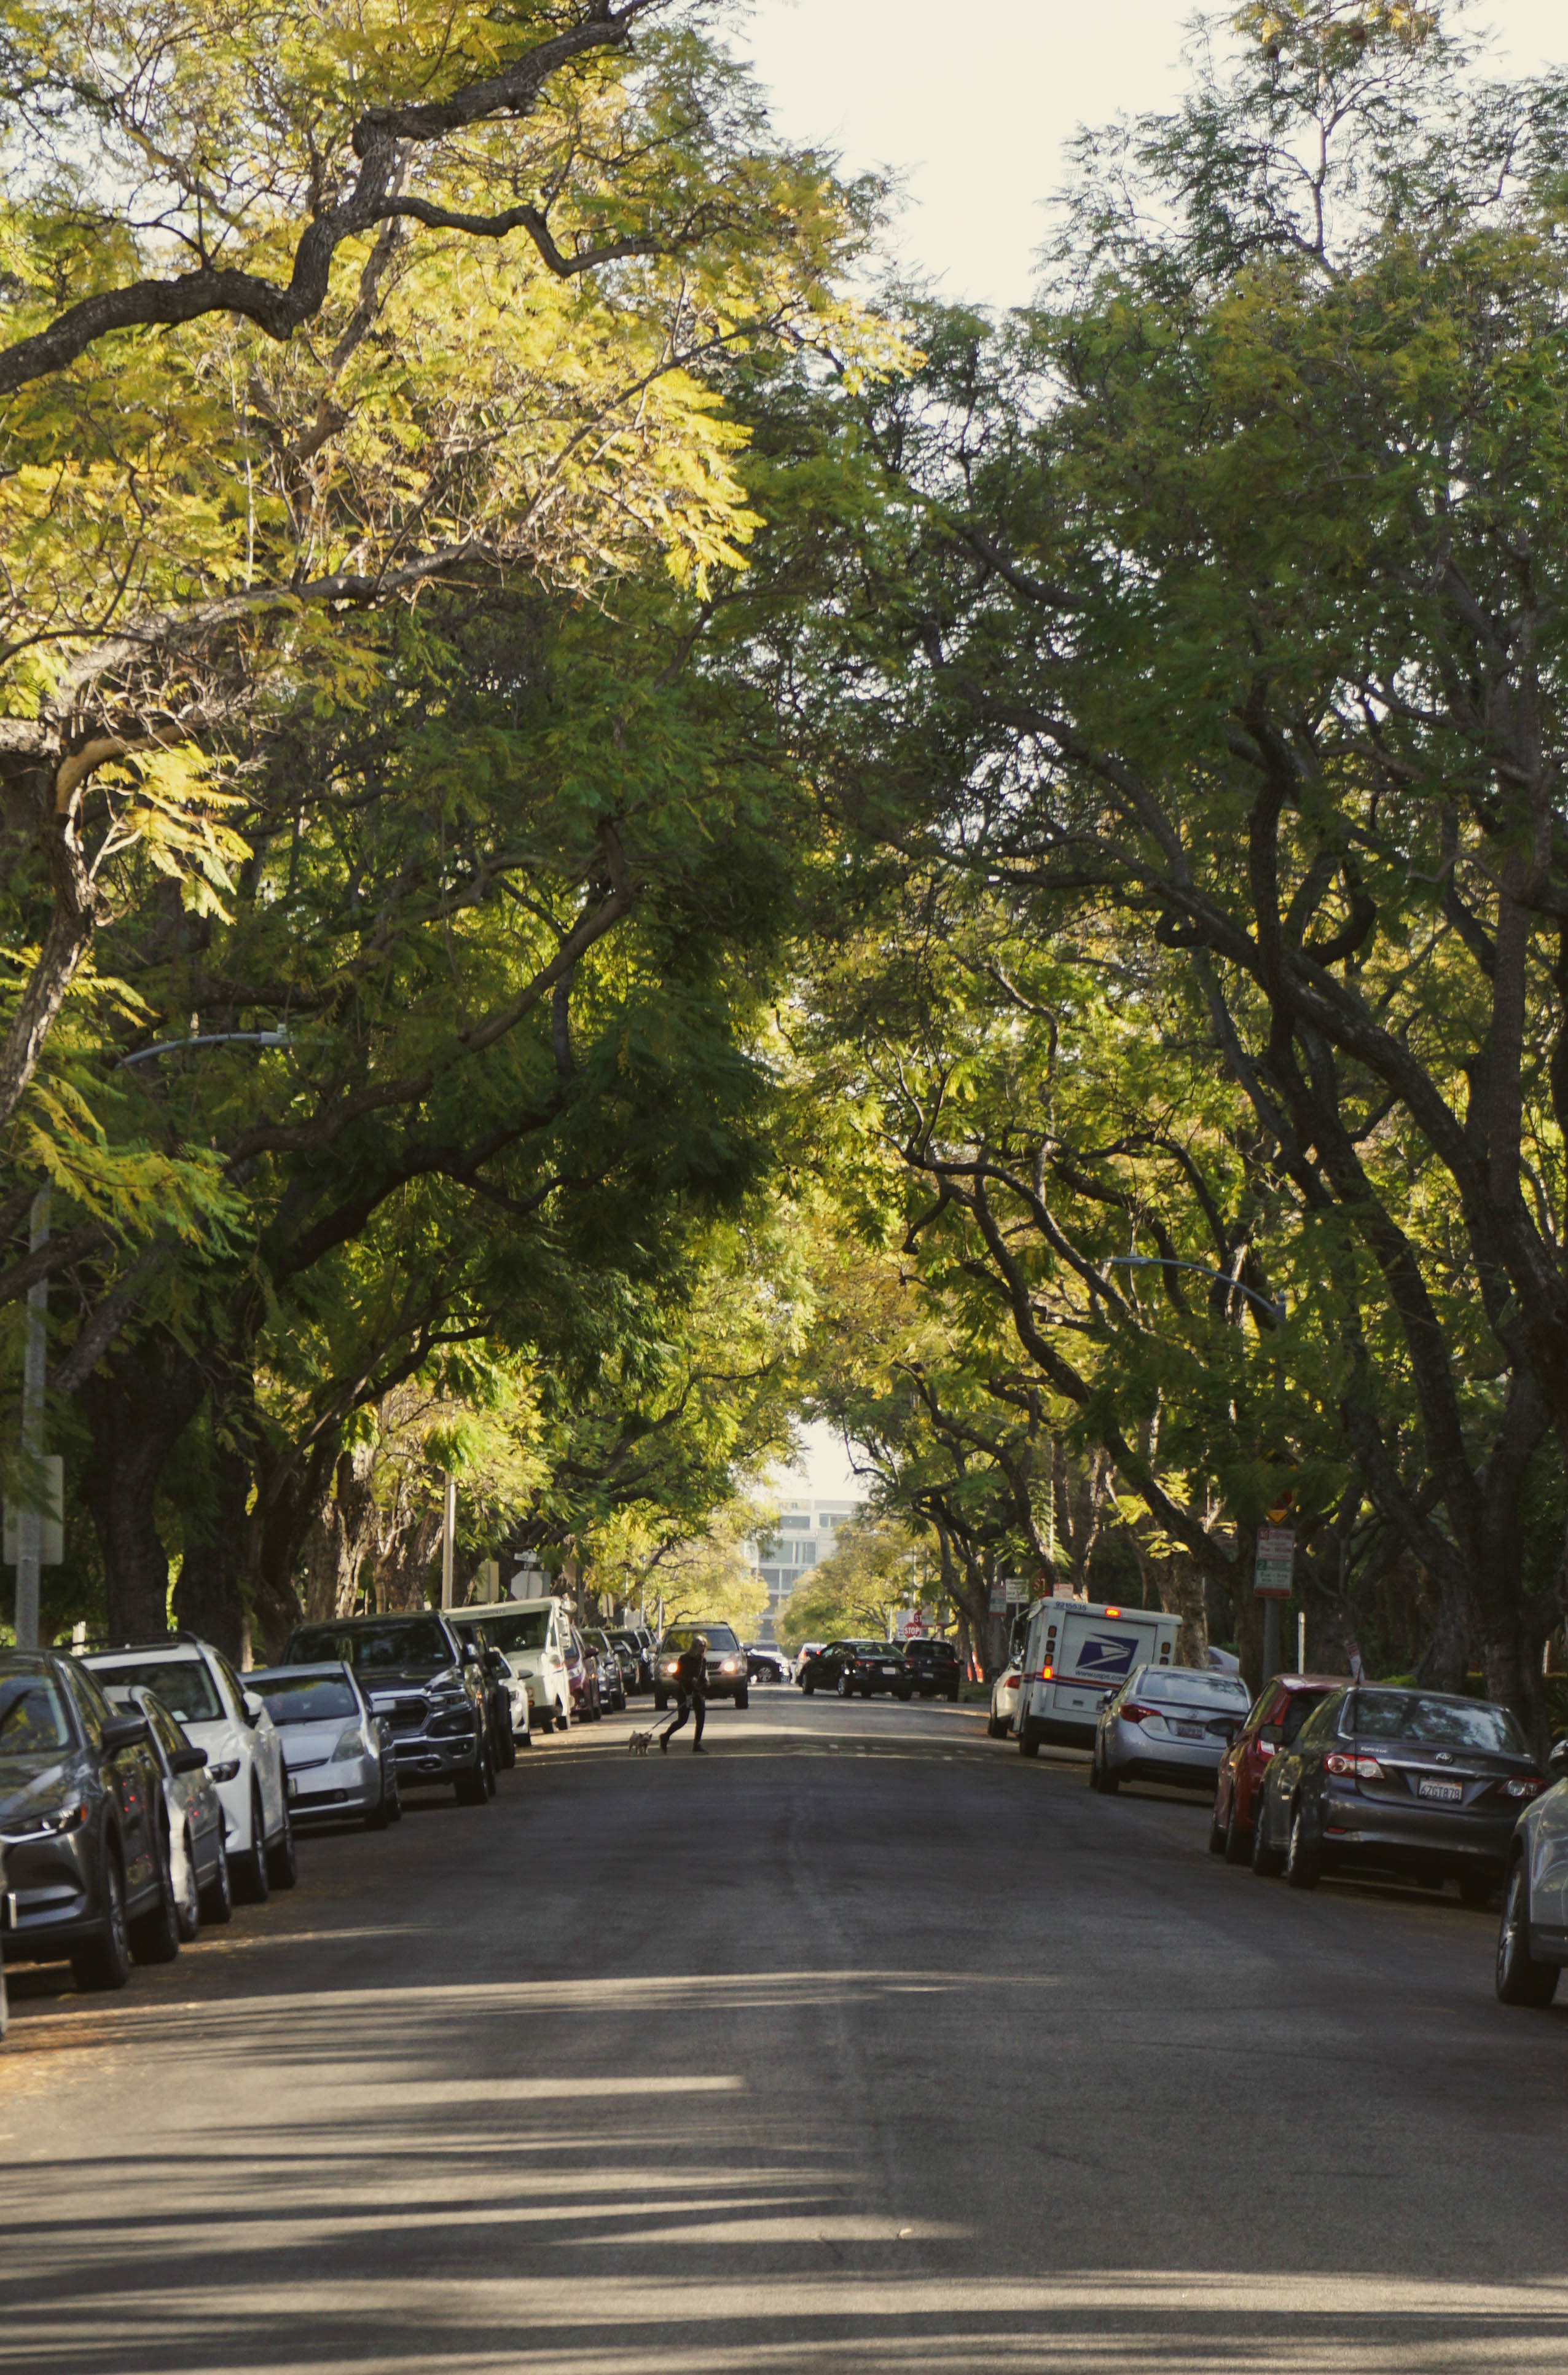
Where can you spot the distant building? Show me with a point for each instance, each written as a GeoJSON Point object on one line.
{"type": "Point", "coordinates": [808, 1533]}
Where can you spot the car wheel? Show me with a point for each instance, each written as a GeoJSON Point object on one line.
{"type": "Point", "coordinates": [490, 1773]}
{"type": "Point", "coordinates": [217, 1896]}
{"type": "Point", "coordinates": [188, 1902]}
{"type": "Point", "coordinates": [1520, 1978]}
{"type": "Point", "coordinates": [282, 1864]}
{"type": "Point", "coordinates": [1302, 1867]}
{"type": "Point", "coordinates": [995, 1730]}
{"type": "Point", "coordinates": [904, 1697]}
{"type": "Point", "coordinates": [378, 1817]}
{"type": "Point", "coordinates": [809, 1687]}
{"type": "Point", "coordinates": [105, 1962]}
{"type": "Point", "coordinates": [742, 1697]}
{"type": "Point", "coordinates": [1266, 1862]}
{"type": "Point", "coordinates": [952, 1695]}
{"type": "Point", "coordinates": [155, 1935]}
{"type": "Point", "coordinates": [1238, 1843]}
{"type": "Point", "coordinates": [248, 1872]}
{"type": "Point", "coordinates": [470, 1788]}
{"type": "Point", "coordinates": [1109, 1782]}
{"type": "Point", "coordinates": [1216, 1833]}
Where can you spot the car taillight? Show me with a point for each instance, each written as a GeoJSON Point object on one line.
{"type": "Point", "coordinates": [1358, 1768]}
{"type": "Point", "coordinates": [1523, 1787]}
{"type": "Point", "coordinates": [1131, 1714]}
{"type": "Point", "coordinates": [1264, 1747]}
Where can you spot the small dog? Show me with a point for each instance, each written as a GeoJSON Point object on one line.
{"type": "Point", "coordinates": [640, 1743]}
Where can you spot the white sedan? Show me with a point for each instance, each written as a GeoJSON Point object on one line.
{"type": "Point", "coordinates": [336, 1750]}
{"type": "Point", "coordinates": [1005, 1694]}
{"type": "Point", "coordinates": [199, 1867]}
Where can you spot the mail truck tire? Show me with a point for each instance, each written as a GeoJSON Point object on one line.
{"type": "Point", "coordinates": [1028, 1738]}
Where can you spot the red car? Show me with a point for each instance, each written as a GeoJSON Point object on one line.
{"type": "Point", "coordinates": [1278, 1713]}
{"type": "Point", "coordinates": [583, 1675]}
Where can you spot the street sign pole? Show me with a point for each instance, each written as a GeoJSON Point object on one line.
{"type": "Point", "coordinates": [1273, 1565]}
{"type": "Point", "coordinates": [448, 1539]}
{"type": "Point", "coordinates": [30, 1521]}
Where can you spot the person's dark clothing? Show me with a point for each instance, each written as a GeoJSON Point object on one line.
{"type": "Point", "coordinates": [691, 1692]}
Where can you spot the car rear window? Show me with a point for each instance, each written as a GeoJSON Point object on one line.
{"type": "Point", "coordinates": [1297, 1706]}
{"type": "Point", "coordinates": [1440, 1723]}
{"type": "Point", "coordinates": [392, 1646]}
{"type": "Point", "coordinates": [33, 1721]}
{"type": "Point", "coordinates": [305, 1699]}
{"type": "Point", "coordinates": [183, 1684]}
{"type": "Point", "coordinates": [518, 1629]}
{"type": "Point", "coordinates": [1190, 1685]}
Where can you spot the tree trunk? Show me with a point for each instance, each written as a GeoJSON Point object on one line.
{"type": "Point", "coordinates": [1179, 1587]}
{"type": "Point", "coordinates": [208, 1597]}
{"type": "Point", "coordinates": [137, 1407]}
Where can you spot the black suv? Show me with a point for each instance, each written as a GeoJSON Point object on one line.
{"type": "Point", "coordinates": [84, 1824]}
{"type": "Point", "coordinates": [429, 1688]}
{"type": "Point", "coordinates": [933, 1665]}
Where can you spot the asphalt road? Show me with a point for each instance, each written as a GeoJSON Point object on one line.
{"type": "Point", "coordinates": [857, 2044]}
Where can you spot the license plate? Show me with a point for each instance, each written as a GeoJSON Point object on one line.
{"type": "Point", "coordinates": [293, 1786]}
{"type": "Point", "coordinates": [1188, 1730]}
{"type": "Point", "coordinates": [1448, 1794]}
{"type": "Point", "coordinates": [890, 1669]}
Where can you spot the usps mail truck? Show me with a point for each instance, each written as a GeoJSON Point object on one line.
{"type": "Point", "coordinates": [1075, 1656]}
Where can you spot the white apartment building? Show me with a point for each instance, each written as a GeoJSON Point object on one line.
{"type": "Point", "coordinates": [807, 1533]}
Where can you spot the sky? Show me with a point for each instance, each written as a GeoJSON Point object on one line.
{"type": "Point", "coordinates": [972, 103]}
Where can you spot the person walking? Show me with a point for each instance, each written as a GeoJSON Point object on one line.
{"type": "Point", "coordinates": [690, 1692]}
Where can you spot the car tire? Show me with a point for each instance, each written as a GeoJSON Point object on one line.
{"type": "Point", "coordinates": [1520, 1979]}
{"type": "Point", "coordinates": [105, 1961]}
{"type": "Point", "coordinates": [470, 1788]}
{"type": "Point", "coordinates": [1237, 1842]}
{"type": "Point", "coordinates": [217, 1896]}
{"type": "Point", "coordinates": [809, 1687]}
{"type": "Point", "coordinates": [1109, 1782]}
{"type": "Point", "coordinates": [379, 1816]}
{"type": "Point", "coordinates": [1302, 1869]}
{"type": "Point", "coordinates": [1266, 1862]}
{"type": "Point", "coordinates": [248, 1871]}
{"type": "Point", "coordinates": [1028, 1739]}
{"type": "Point", "coordinates": [155, 1935]}
{"type": "Point", "coordinates": [903, 1697]}
{"type": "Point", "coordinates": [1215, 1836]}
{"type": "Point", "coordinates": [188, 1908]}
{"type": "Point", "coordinates": [742, 1698]}
{"type": "Point", "coordinates": [282, 1863]}
{"type": "Point", "coordinates": [995, 1728]}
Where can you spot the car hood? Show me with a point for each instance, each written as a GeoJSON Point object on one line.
{"type": "Point", "coordinates": [312, 1739]}
{"type": "Point", "coordinates": [446, 1680]}
{"type": "Point", "coordinates": [221, 1739]}
{"type": "Point", "coordinates": [27, 1781]}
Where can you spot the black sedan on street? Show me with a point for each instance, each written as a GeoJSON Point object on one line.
{"type": "Point", "coordinates": [933, 1665]}
{"type": "Point", "coordinates": [1412, 1783]}
{"type": "Point", "coordinates": [854, 1670]}
{"type": "Point", "coordinates": [83, 1824]}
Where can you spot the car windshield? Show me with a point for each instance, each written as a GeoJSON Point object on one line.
{"type": "Point", "coordinates": [1442, 1723]}
{"type": "Point", "coordinates": [183, 1684]}
{"type": "Point", "coordinates": [878, 1648]}
{"type": "Point", "coordinates": [518, 1629]}
{"type": "Point", "coordinates": [306, 1699]}
{"type": "Point", "coordinates": [33, 1721]}
{"type": "Point", "coordinates": [720, 1637]}
{"type": "Point", "coordinates": [1191, 1686]}
{"type": "Point", "coordinates": [393, 1645]}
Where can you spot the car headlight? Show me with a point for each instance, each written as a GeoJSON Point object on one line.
{"type": "Point", "coordinates": [730, 1666]}
{"type": "Point", "coordinates": [451, 1727]}
{"type": "Point", "coordinates": [49, 1827]}
{"type": "Point", "coordinates": [350, 1743]}
{"type": "Point", "coordinates": [224, 1772]}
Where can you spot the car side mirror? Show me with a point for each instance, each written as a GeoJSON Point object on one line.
{"type": "Point", "coordinates": [126, 1731]}
{"type": "Point", "coordinates": [189, 1760]}
{"type": "Point", "coordinates": [471, 1653]}
{"type": "Point", "coordinates": [255, 1708]}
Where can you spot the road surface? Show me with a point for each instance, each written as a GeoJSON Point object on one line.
{"type": "Point", "coordinates": [858, 2044]}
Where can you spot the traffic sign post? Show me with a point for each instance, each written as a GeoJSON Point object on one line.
{"type": "Point", "coordinates": [1273, 1565]}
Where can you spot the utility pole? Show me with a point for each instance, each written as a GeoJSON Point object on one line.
{"type": "Point", "coordinates": [29, 1520]}
{"type": "Point", "coordinates": [448, 1539]}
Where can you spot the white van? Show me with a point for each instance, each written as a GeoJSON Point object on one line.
{"type": "Point", "coordinates": [535, 1637]}
{"type": "Point", "coordinates": [1075, 1654]}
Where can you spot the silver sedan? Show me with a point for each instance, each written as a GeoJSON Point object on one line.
{"type": "Point", "coordinates": [1168, 1723]}
{"type": "Point", "coordinates": [337, 1752]}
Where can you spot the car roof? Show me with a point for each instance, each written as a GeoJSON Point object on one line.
{"type": "Point", "coordinates": [271, 1673]}
{"type": "Point", "coordinates": [390, 1616]}
{"type": "Point", "coordinates": [171, 1653]}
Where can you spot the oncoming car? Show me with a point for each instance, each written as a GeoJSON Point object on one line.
{"type": "Point", "coordinates": [724, 1667]}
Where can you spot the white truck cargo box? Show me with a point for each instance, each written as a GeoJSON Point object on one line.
{"type": "Point", "coordinates": [1074, 1655]}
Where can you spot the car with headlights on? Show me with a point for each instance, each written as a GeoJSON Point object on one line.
{"type": "Point", "coordinates": [1171, 1724]}
{"type": "Point", "coordinates": [198, 1865]}
{"type": "Point", "coordinates": [724, 1668]}
{"type": "Point", "coordinates": [1006, 1691]}
{"type": "Point", "coordinates": [1399, 1782]}
{"type": "Point", "coordinates": [244, 1756]}
{"type": "Point", "coordinates": [428, 1686]}
{"type": "Point", "coordinates": [337, 1751]}
{"type": "Point", "coordinates": [84, 1826]}
{"type": "Point", "coordinates": [1278, 1713]}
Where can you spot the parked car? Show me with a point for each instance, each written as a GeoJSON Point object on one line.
{"type": "Point", "coordinates": [1280, 1709]}
{"type": "Point", "coordinates": [725, 1666]}
{"type": "Point", "coordinates": [820, 1665]}
{"type": "Point", "coordinates": [535, 1636]}
{"type": "Point", "coordinates": [933, 1665]}
{"type": "Point", "coordinates": [868, 1668]}
{"type": "Point", "coordinates": [198, 1863]}
{"type": "Point", "coordinates": [804, 1654]}
{"type": "Point", "coordinates": [640, 1645]}
{"type": "Point", "coordinates": [337, 1751]}
{"type": "Point", "coordinates": [1532, 1938]}
{"type": "Point", "coordinates": [766, 1664]}
{"type": "Point", "coordinates": [612, 1678]}
{"type": "Point", "coordinates": [8, 1921]}
{"type": "Point", "coordinates": [518, 1711]}
{"type": "Point", "coordinates": [429, 1686]}
{"type": "Point", "coordinates": [1005, 1695]}
{"type": "Point", "coordinates": [1416, 1784]}
{"type": "Point", "coordinates": [1167, 1723]}
{"type": "Point", "coordinates": [504, 1739]}
{"type": "Point", "coordinates": [244, 1756]}
{"type": "Point", "coordinates": [581, 1677]}
{"type": "Point", "coordinates": [83, 1824]}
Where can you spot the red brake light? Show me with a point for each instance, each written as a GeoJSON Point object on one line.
{"type": "Point", "coordinates": [1264, 1747]}
{"type": "Point", "coordinates": [1359, 1768]}
{"type": "Point", "coordinates": [1133, 1714]}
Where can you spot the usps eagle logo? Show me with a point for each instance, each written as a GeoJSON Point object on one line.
{"type": "Point", "coordinates": [1107, 1653]}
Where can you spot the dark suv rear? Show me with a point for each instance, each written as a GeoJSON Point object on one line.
{"type": "Point", "coordinates": [932, 1666]}
{"type": "Point", "coordinates": [428, 1686]}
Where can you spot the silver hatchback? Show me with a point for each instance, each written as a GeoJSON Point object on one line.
{"type": "Point", "coordinates": [1168, 1723]}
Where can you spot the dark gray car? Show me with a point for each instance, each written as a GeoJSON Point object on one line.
{"type": "Point", "coordinates": [84, 1826]}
